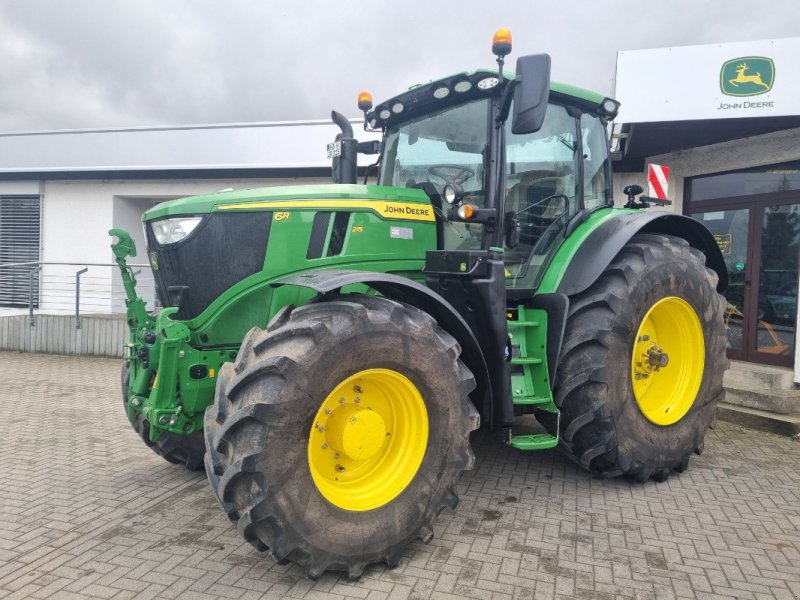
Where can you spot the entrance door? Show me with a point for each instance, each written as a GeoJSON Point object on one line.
{"type": "Point", "coordinates": [760, 240]}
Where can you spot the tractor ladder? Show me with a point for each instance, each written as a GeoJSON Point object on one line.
{"type": "Point", "coordinates": [530, 385]}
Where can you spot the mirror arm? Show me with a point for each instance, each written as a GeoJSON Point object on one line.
{"type": "Point", "coordinates": [504, 106]}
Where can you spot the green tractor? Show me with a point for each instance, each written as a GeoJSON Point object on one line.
{"type": "Point", "coordinates": [326, 350]}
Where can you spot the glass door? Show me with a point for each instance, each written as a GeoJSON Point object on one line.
{"type": "Point", "coordinates": [775, 287]}
{"type": "Point", "coordinates": [761, 247]}
{"type": "Point", "coordinates": [731, 229]}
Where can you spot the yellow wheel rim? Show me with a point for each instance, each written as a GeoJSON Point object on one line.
{"type": "Point", "coordinates": [368, 439]}
{"type": "Point", "coordinates": [667, 361]}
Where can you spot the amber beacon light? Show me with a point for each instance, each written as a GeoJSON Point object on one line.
{"type": "Point", "coordinates": [365, 101]}
{"type": "Point", "coordinates": [501, 42]}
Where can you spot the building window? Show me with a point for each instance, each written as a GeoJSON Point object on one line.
{"type": "Point", "coordinates": [761, 180]}
{"type": "Point", "coordinates": [20, 218]}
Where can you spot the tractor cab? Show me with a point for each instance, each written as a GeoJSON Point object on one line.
{"type": "Point", "coordinates": [511, 164]}
{"type": "Point", "coordinates": [497, 182]}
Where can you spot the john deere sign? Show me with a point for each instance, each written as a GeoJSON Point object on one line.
{"type": "Point", "coordinates": [738, 80]}
{"type": "Point", "coordinates": [747, 76]}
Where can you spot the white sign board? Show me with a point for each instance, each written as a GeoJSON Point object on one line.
{"type": "Point", "coordinates": [715, 81]}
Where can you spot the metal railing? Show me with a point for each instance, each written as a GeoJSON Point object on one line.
{"type": "Point", "coordinates": [69, 288]}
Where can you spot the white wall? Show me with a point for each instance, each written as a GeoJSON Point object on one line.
{"type": "Point", "coordinates": [76, 217]}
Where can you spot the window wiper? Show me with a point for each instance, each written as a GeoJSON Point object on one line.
{"type": "Point", "coordinates": [567, 143]}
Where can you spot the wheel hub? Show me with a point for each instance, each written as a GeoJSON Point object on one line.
{"type": "Point", "coordinates": [357, 433]}
{"type": "Point", "coordinates": [368, 439]}
{"type": "Point", "coordinates": [651, 358]}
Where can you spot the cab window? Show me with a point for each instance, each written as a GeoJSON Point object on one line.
{"type": "Point", "coordinates": [446, 147]}
{"type": "Point", "coordinates": [542, 193]}
{"type": "Point", "coordinates": [596, 165]}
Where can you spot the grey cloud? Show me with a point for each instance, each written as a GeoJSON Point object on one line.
{"type": "Point", "coordinates": [93, 63]}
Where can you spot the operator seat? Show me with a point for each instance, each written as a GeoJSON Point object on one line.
{"type": "Point", "coordinates": [533, 187]}
{"type": "Point", "coordinates": [529, 200]}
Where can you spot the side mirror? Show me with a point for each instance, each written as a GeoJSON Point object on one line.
{"type": "Point", "coordinates": [531, 92]}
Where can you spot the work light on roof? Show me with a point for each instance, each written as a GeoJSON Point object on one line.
{"type": "Point", "coordinates": [610, 107]}
{"type": "Point", "coordinates": [441, 92]}
{"type": "Point", "coordinates": [488, 83]}
{"type": "Point", "coordinates": [463, 86]}
{"type": "Point", "coordinates": [397, 108]}
{"type": "Point", "coordinates": [385, 113]}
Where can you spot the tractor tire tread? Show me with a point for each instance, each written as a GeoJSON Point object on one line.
{"type": "Point", "coordinates": [238, 426]}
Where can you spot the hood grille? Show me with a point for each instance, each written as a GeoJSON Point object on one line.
{"type": "Point", "coordinates": [223, 249]}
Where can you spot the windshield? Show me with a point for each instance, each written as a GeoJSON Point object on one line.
{"type": "Point", "coordinates": [445, 147]}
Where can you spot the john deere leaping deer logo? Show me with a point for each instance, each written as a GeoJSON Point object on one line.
{"type": "Point", "coordinates": [747, 76]}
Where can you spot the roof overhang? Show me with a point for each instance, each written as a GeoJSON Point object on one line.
{"type": "Point", "coordinates": [639, 141]}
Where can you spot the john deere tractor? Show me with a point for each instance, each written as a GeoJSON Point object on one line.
{"type": "Point", "coordinates": [326, 350]}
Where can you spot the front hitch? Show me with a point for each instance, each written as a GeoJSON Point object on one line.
{"type": "Point", "coordinates": [124, 247]}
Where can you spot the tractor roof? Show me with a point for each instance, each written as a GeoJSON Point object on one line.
{"type": "Point", "coordinates": [461, 87]}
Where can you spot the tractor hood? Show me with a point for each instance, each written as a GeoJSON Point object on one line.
{"type": "Point", "coordinates": [330, 196]}
{"type": "Point", "coordinates": [202, 246]}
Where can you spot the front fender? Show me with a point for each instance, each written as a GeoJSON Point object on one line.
{"type": "Point", "coordinates": [402, 289]}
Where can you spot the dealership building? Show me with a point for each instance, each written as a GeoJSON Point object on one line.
{"type": "Point", "coordinates": [723, 118]}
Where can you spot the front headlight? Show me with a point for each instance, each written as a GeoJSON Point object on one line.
{"type": "Point", "coordinates": [169, 231]}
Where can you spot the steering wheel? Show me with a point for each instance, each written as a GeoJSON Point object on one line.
{"type": "Point", "coordinates": [451, 173]}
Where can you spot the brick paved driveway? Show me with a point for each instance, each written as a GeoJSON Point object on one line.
{"type": "Point", "coordinates": [87, 511]}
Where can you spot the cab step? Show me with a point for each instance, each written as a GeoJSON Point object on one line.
{"type": "Point", "coordinates": [533, 441]}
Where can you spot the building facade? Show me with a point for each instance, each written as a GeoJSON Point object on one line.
{"type": "Point", "coordinates": [62, 191]}
{"type": "Point", "coordinates": [725, 119]}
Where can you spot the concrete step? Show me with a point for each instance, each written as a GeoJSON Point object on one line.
{"type": "Point", "coordinates": [763, 420]}
{"type": "Point", "coordinates": [755, 376]}
{"type": "Point", "coordinates": [760, 398]}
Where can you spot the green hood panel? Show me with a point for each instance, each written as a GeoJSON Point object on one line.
{"type": "Point", "coordinates": [210, 202]}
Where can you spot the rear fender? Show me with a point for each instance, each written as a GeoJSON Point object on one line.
{"type": "Point", "coordinates": [605, 242]}
{"type": "Point", "coordinates": [330, 281]}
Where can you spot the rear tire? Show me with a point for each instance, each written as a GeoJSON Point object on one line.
{"type": "Point", "coordinates": [264, 431]}
{"type": "Point", "coordinates": [609, 424]}
{"type": "Point", "coordinates": [186, 450]}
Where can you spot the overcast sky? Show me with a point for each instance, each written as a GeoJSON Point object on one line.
{"type": "Point", "coordinates": [116, 63]}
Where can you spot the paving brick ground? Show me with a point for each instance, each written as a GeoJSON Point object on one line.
{"type": "Point", "coordinates": [86, 511]}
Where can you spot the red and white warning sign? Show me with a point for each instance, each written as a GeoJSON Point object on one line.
{"type": "Point", "coordinates": [657, 181]}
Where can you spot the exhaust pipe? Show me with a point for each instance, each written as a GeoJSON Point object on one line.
{"type": "Point", "coordinates": [344, 155]}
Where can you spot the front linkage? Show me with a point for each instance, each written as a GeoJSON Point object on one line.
{"type": "Point", "coordinates": [169, 383]}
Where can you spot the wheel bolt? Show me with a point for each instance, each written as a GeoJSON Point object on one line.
{"type": "Point", "coordinates": [358, 390]}
{"type": "Point", "coordinates": [340, 468]}
{"type": "Point", "coordinates": [324, 446]}
{"type": "Point", "coordinates": [357, 400]}
{"type": "Point", "coordinates": [328, 411]}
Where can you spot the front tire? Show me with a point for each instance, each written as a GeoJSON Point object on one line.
{"type": "Point", "coordinates": [339, 433]}
{"type": "Point", "coordinates": [642, 362]}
